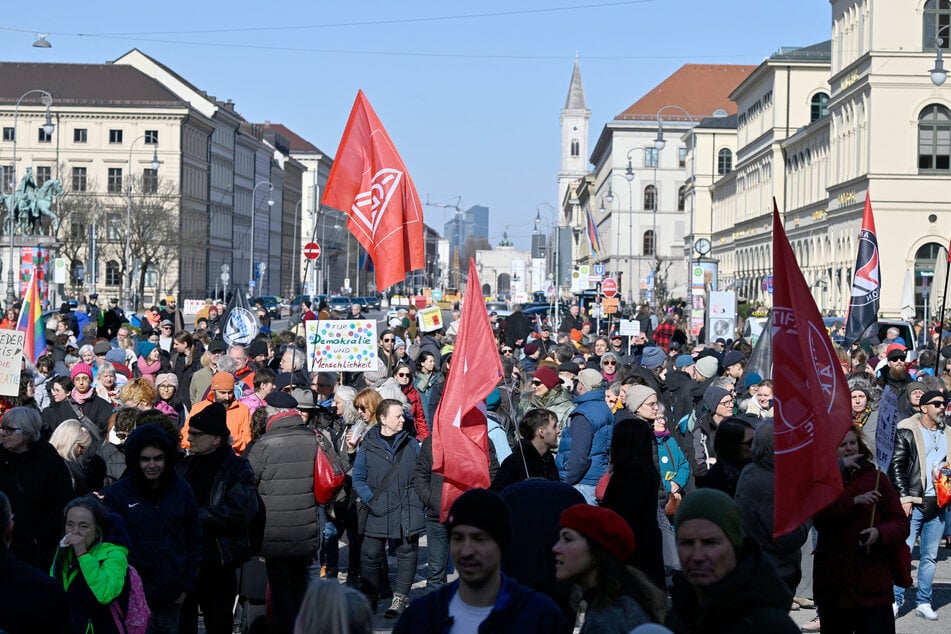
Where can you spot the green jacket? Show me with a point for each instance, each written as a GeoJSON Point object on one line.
{"type": "Point", "coordinates": [556, 400]}
{"type": "Point", "coordinates": [93, 585]}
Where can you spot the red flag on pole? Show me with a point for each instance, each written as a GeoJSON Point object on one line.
{"type": "Point", "coordinates": [812, 400]}
{"type": "Point", "coordinates": [866, 281]}
{"type": "Point", "coordinates": [460, 432]}
{"type": "Point", "coordinates": [370, 183]}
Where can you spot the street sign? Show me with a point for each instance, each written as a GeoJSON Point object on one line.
{"type": "Point", "coordinates": [252, 284]}
{"type": "Point", "coordinates": [599, 269]}
{"type": "Point", "coordinates": [609, 287]}
{"type": "Point", "coordinates": [311, 250]}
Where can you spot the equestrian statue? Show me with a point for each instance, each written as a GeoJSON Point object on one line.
{"type": "Point", "coordinates": [28, 204]}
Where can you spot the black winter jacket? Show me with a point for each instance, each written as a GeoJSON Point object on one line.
{"type": "Point", "coordinates": [229, 508]}
{"type": "Point", "coordinates": [426, 482]}
{"type": "Point", "coordinates": [283, 464]}
{"type": "Point", "coordinates": [513, 468]}
{"type": "Point", "coordinates": [395, 511]}
{"type": "Point", "coordinates": [96, 409]}
{"type": "Point", "coordinates": [906, 470]}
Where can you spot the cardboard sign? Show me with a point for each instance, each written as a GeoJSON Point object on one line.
{"type": "Point", "coordinates": [430, 319]}
{"type": "Point", "coordinates": [341, 345]}
{"type": "Point", "coordinates": [887, 428]}
{"type": "Point", "coordinates": [11, 354]}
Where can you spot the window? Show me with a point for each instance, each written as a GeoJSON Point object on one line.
{"type": "Point", "coordinates": [650, 156]}
{"type": "Point", "coordinates": [112, 273]}
{"type": "Point", "coordinates": [149, 181]}
{"type": "Point", "coordinates": [650, 197]}
{"type": "Point", "coordinates": [114, 226]}
{"type": "Point", "coordinates": [724, 162]}
{"type": "Point", "coordinates": [648, 242]}
{"type": "Point", "coordinates": [77, 228]}
{"type": "Point", "coordinates": [819, 106]}
{"type": "Point", "coordinates": [43, 137]}
{"type": "Point", "coordinates": [151, 277]}
{"type": "Point", "coordinates": [682, 198]}
{"type": "Point", "coordinates": [115, 136]}
{"type": "Point", "coordinates": [934, 139]}
{"type": "Point", "coordinates": [80, 135]}
{"type": "Point", "coordinates": [937, 18]}
{"type": "Point", "coordinates": [115, 180]}
{"type": "Point", "coordinates": [8, 184]}
{"type": "Point", "coordinates": [79, 179]}
{"type": "Point", "coordinates": [682, 157]}
{"type": "Point", "coordinates": [43, 174]}
{"type": "Point", "coordinates": [151, 137]}
{"type": "Point", "coordinates": [9, 134]}
{"type": "Point", "coordinates": [575, 148]}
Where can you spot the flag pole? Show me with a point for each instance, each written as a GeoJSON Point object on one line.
{"type": "Point", "coordinates": [944, 301]}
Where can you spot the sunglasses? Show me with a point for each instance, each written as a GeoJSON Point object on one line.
{"type": "Point", "coordinates": [9, 430]}
{"type": "Point", "coordinates": [936, 404]}
{"type": "Point", "coordinates": [536, 382]}
{"type": "Point", "coordinates": [403, 374]}
{"type": "Point", "coordinates": [608, 363]}
{"type": "Point", "coordinates": [361, 408]}
{"type": "Point", "coordinates": [507, 351]}
{"type": "Point", "coordinates": [388, 340]}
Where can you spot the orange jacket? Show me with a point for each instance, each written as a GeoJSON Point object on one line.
{"type": "Point", "coordinates": [238, 420]}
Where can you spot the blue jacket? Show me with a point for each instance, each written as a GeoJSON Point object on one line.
{"type": "Point", "coordinates": [584, 450]}
{"type": "Point", "coordinates": [517, 609]}
{"type": "Point", "coordinates": [395, 511]}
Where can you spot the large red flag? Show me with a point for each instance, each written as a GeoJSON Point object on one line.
{"type": "Point", "coordinates": [812, 401]}
{"type": "Point", "coordinates": [369, 182]}
{"type": "Point", "coordinates": [460, 432]}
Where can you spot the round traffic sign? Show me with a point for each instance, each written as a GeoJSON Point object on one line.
{"type": "Point", "coordinates": [311, 250]}
{"type": "Point", "coordinates": [609, 287]}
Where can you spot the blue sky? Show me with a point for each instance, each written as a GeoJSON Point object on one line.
{"type": "Point", "coordinates": [470, 93]}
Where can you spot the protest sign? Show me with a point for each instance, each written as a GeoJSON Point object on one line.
{"type": "Point", "coordinates": [887, 428]}
{"type": "Point", "coordinates": [11, 356]}
{"type": "Point", "coordinates": [344, 345]}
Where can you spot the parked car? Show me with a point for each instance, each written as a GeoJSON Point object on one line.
{"type": "Point", "coordinates": [362, 302]}
{"type": "Point", "coordinates": [373, 302]}
{"type": "Point", "coordinates": [271, 304]}
{"type": "Point", "coordinates": [296, 302]}
{"type": "Point", "coordinates": [340, 303]}
{"type": "Point", "coordinates": [501, 308]}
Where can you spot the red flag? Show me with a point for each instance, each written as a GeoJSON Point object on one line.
{"type": "Point", "coordinates": [460, 432]}
{"type": "Point", "coordinates": [369, 182]}
{"type": "Point", "coordinates": [866, 281]}
{"type": "Point", "coordinates": [812, 401]}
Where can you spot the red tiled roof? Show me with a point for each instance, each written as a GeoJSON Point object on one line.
{"type": "Point", "coordinates": [700, 89]}
{"type": "Point", "coordinates": [297, 143]}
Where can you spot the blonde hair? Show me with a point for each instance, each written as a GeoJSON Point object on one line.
{"type": "Point", "coordinates": [368, 399]}
{"type": "Point", "coordinates": [72, 439]}
{"type": "Point", "coordinates": [139, 392]}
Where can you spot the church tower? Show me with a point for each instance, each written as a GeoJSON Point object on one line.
{"type": "Point", "coordinates": [575, 118]}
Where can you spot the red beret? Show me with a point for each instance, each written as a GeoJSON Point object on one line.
{"type": "Point", "coordinates": [547, 376]}
{"type": "Point", "coordinates": [602, 526]}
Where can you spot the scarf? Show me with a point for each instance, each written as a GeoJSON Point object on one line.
{"type": "Point", "coordinates": [661, 435]}
{"type": "Point", "coordinates": [82, 398]}
{"type": "Point", "coordinates": [148, 370]}
{"type": "Point", "coordinates": [860, 418]}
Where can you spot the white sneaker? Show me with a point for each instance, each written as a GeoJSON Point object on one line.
{"type": "Point", "coordinates": [895, 610]}
{"type": "Point", "coordinates": [924, 611]}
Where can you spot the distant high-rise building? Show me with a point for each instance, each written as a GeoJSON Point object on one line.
{"type": "Point", "coordinates": [471, 224]}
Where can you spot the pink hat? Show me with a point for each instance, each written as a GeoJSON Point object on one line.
{"type": "Point", "coordinates": [80, 368]}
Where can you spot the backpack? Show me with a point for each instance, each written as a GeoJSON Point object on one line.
{"type": "Point", "coordinates": [329, 473]}
{"type": "Point", "coordinates": [137, 613]}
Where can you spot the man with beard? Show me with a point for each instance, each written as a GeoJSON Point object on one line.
{"type": "Point", "coordinates": [224, 487]}
{"type": "Point", "coordinates": [482, 598]}
{"type": "Point", "coordinates": [238, 415]}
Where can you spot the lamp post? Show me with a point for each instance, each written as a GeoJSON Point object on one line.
{"type": "Point", "coordinates": [47, 100]}
{"type": "Point", "coordinates": [610, 196]}
{"type": "Point", "coordinates": [294, 256]}
{"type": "Point", "coordinates": [938, 73]}
{"type": "Point", "coordinates": [127, 287]}
{"type": "Point", "coordinates": [270, 203]}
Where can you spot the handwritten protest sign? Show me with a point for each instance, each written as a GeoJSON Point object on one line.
{"type": "Point", "coordinates": [887, 428]}
{"type": "Point", "coordinates": [11, 354]}
{"type": "Point", "coordinates": [344, 345]}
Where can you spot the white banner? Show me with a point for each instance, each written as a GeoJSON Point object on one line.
{"type": "Point", "coordinates": [341, 345]}
{"type": "Point", "coordinates": [11, 354]}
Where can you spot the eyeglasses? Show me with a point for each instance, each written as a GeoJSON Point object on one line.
{"type": "Point", "coordinates": [608, 363]}
{"type": "Point", "coordinates": [166, 386]}
{"type": "Point", "coordinates": [403, 374]}
{"type": "Point", "coordinates": [727, 401]}
{"type": "Point", "coordinates": [9, 430]}
{"type": "Point", "coordinates": [169, 327]}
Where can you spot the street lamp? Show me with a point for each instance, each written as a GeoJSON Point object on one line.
{"type": "Point", "coordinates": [294, 246]}
{"type": "Point", "coordinates": [270, 203]}
{"type": "Point", "coordinates": [48, 127]}
{"type": "Point", "coordinates": [127, 287]}
{"type": "Point", "coordinates": [938, 73]}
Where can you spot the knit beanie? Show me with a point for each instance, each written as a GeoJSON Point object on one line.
{"type": "Point", "coordinates": [684, 361]}
{"type": "Point", "coordinates": [635, 396]}
{"type": "Point", "coordinates": [80, 368]}
{"type": "Point", "coordinates": [145, 348]}
{"type": "Point", "coordinates": [166, 378]}
{"type": "Point", "coordinates": [707, 366]}
{"type": "Point", "coordinates": [652, 357]}
{"type": "Point", "coordinates": [715, 506]}
{"type": "Point", "coordinates": [713, 396]}
{"type": "Point", "coordinates": [602, 526]}
{"type": "Point", "coordinates": [547, 376]}
{"type": "Point", "coordinates": [211, 420]}
{"type": "Point", "coordinates": [485, 510]}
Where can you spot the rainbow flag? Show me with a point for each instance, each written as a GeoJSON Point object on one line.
{"type": "Point", "coordinates": [31, 323]}
{"type": "Point", "coordinates": [593, 236]}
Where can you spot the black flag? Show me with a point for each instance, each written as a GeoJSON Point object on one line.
{"type": "Point", "coordinates": [239, 324]}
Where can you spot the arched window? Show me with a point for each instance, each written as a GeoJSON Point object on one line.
{"type": "Point", "coordinates": [112, 273]}
{"type": "Point", "coordinates": [648, 242]}
{"type": "Point", "coordinates": [575, 148]}
{"type": "Point", "coordinates": [724, 162]}
{"type": "Point", "coordinates": [934, 139]}
{"type": "Point", "coordinates": [650, 198]}
{"type": "Point", "coordinates": [819, 106]}
{"type": "Point", "coordinates": [937, 20]}
{"type": "Point", "coordinates": [682, 198]}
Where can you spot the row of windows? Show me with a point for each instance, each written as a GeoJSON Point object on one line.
{"type": "Point", "coordinates": [652, 157]}
{"type": "Point", "coordinates": [80, 180]}
{"type": "Point", "coordinates": [81, 135]}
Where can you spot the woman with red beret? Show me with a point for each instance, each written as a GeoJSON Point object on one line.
{"type": "Point", "coordinates": [594, 542]}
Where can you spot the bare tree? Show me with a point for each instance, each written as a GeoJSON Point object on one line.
{"type": "Point", "coordinates": [661, 274]}
{"type": "Point", "coordinates": [77, 210]}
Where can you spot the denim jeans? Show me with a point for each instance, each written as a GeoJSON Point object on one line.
{"type": "Point", "coordinates": [587, 490]}
{"type": "Point", "coordinates": [931, 533]}
{"type": "Point", "coordinates": [437, 551]}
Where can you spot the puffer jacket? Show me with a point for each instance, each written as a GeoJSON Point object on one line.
{"type": "Point", "coordinates": [396, 511]}
{"type": "Point", "coordinates": [230, 507]}
{"type": "Point", "coordinates": [92, 583]}
{"type": "Point", "coordinates": [591, 407]}
{"type": "Point", "coordinates": [283, 463]}
{"type": "Point", "coordinates": [907, 470]}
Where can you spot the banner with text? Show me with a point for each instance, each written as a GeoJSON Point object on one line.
{"type": "Point", "coordinates": [342, 345]}
{"type": "Point", "coordinates": [11, 355]}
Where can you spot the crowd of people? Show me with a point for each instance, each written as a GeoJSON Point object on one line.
{"type": "Point", "coordinates": [632, 484]}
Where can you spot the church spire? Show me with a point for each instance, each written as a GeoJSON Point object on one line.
{"type": "Point", "coordinates": [575, 99]}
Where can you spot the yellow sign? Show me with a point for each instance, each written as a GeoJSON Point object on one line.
{"type": "Point", "coordinates": [430, 319]}
{"type": "Point", "coordinates": [610, 305]}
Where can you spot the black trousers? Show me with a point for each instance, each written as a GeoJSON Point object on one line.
{"type": "Point", "coordinates": [287, 583]}
{"type": "Point", "coordinates": [872, 620]}
{"type": "Point", "coordinates": [375, 570]}
{"type": "Point", "coordinates": [217, 588]}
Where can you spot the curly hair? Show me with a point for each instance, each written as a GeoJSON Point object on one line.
{"type": "Point", "coordinates": [139, 393]}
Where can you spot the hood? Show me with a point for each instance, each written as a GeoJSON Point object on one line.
{"type": "Point", "coordinates": [149, 436]}
{"type": "Point", "coordinates": [117, 533]}
{"type": "Point", "coordinates": [763, 440]}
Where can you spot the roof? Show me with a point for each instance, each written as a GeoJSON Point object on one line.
{"type": "Point", "coordinates": [575, 99]}
{"type": "Point", "coordinates": [719, 123]}
{"type": "Point", "coordinates": [821, 52]}
{"type": "Point", "coordinates": [298, 144]}
{"type": "Point", "coordinates": [700, 89]}
{"type": "Point", "coordinates": [84, 84]}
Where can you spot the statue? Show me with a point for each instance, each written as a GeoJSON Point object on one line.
{"type": "Point", "coordinates": [28, 204]}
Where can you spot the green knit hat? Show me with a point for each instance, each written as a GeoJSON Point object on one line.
{"type": "Point", "coordinates": [715, 506]}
